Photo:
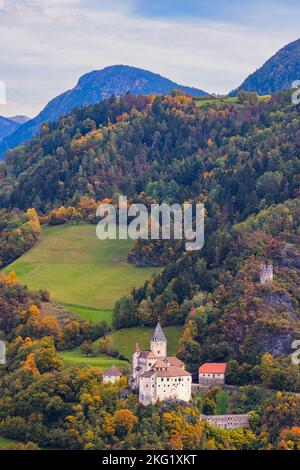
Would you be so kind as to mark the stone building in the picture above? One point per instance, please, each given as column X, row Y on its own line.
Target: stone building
column 2, row 353
column 157, row 376
column 112, row 375
column 266, row 273
column 211, row 374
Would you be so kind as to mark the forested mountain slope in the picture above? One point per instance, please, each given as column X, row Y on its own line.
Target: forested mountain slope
column 277, row 74
column 239, row 160
column 243, row 161
column 116, row 80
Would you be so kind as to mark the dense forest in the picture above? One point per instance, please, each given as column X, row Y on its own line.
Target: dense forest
column 44, row 405
column 237, row 159
column 19, row 231
column 242, row 161
column 93, row 87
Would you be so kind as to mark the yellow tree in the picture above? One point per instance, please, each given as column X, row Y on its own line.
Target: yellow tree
column 124, row 420
column 11, row 278
column 30, row 364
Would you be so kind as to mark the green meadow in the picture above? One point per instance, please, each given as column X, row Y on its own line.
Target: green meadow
column 6, row 443
column 90, row 313
column 80, row 271
column 221, row 101
column 75, row 358
column 218, row 101
column 86, row 276
column 125, row 340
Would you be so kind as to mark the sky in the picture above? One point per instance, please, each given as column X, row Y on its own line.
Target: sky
column 46, row 45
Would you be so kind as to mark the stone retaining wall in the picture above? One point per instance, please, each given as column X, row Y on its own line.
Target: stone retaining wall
column 228, row 421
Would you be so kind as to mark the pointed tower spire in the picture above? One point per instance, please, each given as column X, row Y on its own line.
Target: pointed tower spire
column 159, row 334
column 159, row 342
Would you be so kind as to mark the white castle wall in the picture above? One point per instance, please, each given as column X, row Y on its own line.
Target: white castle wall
column 179, row 388
column 159, row 349
column 153, row 389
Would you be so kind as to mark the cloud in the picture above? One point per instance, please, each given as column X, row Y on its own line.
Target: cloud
column 49, row 44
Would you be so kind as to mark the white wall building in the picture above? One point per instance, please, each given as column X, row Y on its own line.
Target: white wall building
column 212, row 374
column 112, row 375
column 158, row 376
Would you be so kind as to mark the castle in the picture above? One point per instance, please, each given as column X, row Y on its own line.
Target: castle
column 157, row 376
column 266, row 273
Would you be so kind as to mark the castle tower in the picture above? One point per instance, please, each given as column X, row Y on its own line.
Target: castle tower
column 136, row 354
column 134, row 379
column 266, row 273
column 2, row 353
column 159, row 342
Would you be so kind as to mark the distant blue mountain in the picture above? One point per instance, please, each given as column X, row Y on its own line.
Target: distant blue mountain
column 91, row 88
column 7, row 126
column 277, row 74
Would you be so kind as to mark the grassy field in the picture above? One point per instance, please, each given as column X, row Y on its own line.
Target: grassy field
column 90, row 313
column 5, row 443
column 124, row 340
column 75, row 358
column 215, row 101
column 86, row 276
column 221, row 101
column 83, row 273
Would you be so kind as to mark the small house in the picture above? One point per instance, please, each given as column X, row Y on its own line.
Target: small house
column 112, row 375
column 213, row 373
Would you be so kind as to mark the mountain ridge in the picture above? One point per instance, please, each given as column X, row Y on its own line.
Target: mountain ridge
column 276, row 74
column 91, row 88
column 7, row 126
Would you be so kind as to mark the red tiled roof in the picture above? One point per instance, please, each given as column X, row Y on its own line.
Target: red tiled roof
column 161, row 364
column 174, row 361
column 213, row 368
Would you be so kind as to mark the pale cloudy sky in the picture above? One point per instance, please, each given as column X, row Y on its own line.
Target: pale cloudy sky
column 46, row 45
